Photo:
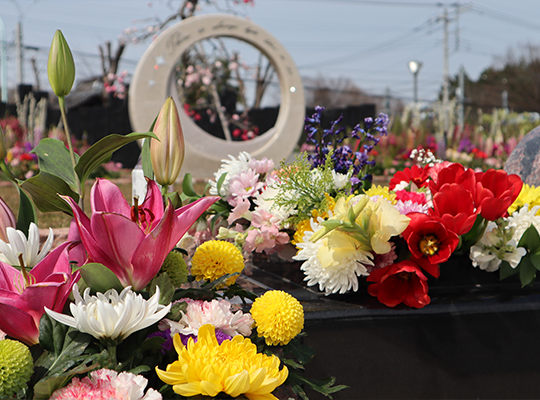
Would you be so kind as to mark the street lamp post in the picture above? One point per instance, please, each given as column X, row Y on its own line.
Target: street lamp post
column 414, row 67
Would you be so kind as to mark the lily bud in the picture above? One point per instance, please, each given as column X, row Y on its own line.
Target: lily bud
column 61, row 67
column 7, row 220
column 167, row 155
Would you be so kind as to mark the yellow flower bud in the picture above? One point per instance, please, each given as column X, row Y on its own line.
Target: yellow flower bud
column 167, row 154
column 61, row 67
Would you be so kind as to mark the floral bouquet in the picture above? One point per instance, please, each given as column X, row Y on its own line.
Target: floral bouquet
column 115, row 311
column 349, row 234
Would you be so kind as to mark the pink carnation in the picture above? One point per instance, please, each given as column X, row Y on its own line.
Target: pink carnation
column 105, row 384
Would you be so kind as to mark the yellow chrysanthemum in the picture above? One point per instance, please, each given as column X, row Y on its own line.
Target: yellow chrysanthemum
column 383, row 191
column 529, row 195
column 234, row 367
column 215, row 258
column 279, row 317
column 301, row 228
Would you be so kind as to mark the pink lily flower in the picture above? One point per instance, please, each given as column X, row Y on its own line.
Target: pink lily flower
column 133, row 241
column 23, row 295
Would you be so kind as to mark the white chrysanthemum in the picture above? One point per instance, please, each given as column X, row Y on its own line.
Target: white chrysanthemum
column 232, row 167
column 29, row 248
column 331, row 278
column 522, row 219
column 215, row 312
column 112, row 315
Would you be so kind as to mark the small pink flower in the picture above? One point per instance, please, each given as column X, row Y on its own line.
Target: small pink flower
column 244, row 185
column 240, row 211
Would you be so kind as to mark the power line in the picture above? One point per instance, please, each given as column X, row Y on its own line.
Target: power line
column 505, row 17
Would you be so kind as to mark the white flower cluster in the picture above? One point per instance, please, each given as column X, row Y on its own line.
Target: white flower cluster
column 500, row 242
column 424, row 157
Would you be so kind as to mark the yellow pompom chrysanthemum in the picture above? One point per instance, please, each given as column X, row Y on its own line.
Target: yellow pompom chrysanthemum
column 279, row 317
column 529, row 195
column 233, row 367
column 216, row 258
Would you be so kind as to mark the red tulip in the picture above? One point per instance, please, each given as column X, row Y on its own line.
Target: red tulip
column 429, row 241
column 453, row 205
column 495, row 192
column 415, row 174
column 453, row 173
column 402, row 282
column 23, row 295
column 133, row 241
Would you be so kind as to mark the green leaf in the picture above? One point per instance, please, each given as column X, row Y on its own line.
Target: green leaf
column 301, row 352
column 527, row 271
column 146, row 160
column 101, row 152
column 140, row 368
column 535, row 260
column 26, row 214
column 51, row 334
column 175, row 198
column 505, row 270
column 99, row 278
column 220, row 181
column 166, row 288
column 530, row 239
column 45, row 388
column 54, row 158
column 324, row 386
column 45, row 188
column 187, row 186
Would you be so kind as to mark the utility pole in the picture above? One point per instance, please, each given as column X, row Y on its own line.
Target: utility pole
column 445, row 76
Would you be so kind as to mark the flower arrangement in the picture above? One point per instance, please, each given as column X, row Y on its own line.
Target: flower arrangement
column 389, row 240
column 116, row 311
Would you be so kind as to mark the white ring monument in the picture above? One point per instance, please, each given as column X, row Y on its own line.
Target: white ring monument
column 154, row 81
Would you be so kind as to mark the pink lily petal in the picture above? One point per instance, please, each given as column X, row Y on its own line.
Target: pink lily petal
column 8, row 277
column 187, row 215
column 119, row 238
column 107, row 197
column 18, row 324
column 56, row 261
column 153, row 200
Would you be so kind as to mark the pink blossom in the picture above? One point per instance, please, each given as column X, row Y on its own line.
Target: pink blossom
column 260, row 240
column 240, row 211
column 244, row 185
column 105, row 384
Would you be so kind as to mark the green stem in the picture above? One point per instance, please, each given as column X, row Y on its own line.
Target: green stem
column 164, row 190
column 111, row 348
column 62, row 104
column 8, row 173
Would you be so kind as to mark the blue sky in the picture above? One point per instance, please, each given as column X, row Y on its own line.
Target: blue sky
column 368, row 41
